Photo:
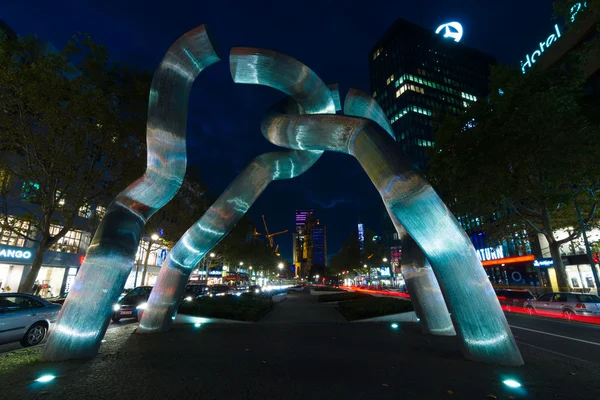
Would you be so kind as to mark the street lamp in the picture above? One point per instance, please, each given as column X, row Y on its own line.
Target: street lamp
column 153, row 238
column 384, row 259
column 207, row 265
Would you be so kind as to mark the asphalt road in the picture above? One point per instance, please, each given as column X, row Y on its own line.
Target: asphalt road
column 303, row 351
column 569, row 339
column 5, row 348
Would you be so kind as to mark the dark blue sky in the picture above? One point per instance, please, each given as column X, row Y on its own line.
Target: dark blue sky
column 332, row 37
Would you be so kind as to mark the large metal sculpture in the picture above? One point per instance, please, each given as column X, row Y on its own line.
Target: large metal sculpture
column 308, row 125
column 481, row 325
column 85, row 315
column 309, row 95
column 425, row 292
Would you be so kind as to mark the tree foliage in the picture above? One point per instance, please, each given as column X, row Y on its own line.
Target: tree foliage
column 72, row 127
column 520, row 157
column 351, row 258
column 240, row 245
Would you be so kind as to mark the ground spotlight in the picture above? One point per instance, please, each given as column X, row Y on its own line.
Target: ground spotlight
column 45, row 378
column 511, row 383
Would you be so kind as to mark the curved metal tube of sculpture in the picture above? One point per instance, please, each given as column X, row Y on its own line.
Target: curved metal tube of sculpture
column 481, row 325
column 424, row 289
column 425, row 292
column 268, row 68
column 85, row 315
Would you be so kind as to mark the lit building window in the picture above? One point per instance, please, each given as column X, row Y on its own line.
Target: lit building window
column 406, row 87
column 85, row 211
column 100, row 211
column 468, row 96
column 60, row 200
column 377, row 53
column 69, row 243
column 10, row 236
column 408, row 109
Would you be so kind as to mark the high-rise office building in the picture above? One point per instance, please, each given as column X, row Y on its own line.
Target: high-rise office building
column 318, row 234
column 310, row 245
column 301, row 243
column 416, row 74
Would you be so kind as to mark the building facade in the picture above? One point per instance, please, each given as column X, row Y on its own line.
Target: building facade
column 417, row 76
column 310, row 245
column 554, row 48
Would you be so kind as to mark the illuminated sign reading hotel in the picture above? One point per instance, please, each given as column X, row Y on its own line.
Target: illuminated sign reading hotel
column 530, row 59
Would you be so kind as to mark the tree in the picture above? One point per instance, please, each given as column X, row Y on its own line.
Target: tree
column 522, row 157
column 240, row 245
column 350, row 257
column 176, row 217
column 72, row 132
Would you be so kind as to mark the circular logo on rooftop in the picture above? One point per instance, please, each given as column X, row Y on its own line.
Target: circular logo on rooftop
column 452, row 30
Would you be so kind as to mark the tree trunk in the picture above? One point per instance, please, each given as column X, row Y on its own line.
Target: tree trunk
column 145, row 264
column 559, row 268
column 27, row 285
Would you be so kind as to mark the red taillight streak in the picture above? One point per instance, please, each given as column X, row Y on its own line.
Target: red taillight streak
column 513, row 309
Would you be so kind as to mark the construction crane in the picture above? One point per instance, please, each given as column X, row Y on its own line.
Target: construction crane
column 269, row 236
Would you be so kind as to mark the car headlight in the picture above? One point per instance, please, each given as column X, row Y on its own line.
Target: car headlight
column 238, row 294
column 116, row 307
column 256, row 291
column 141, row 306
column 189, row 298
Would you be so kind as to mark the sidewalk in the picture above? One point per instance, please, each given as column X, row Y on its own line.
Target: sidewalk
column 291, row 355
column 302, row 308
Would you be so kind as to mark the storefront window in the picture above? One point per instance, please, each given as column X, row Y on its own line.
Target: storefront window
column 49, row 282
column 10, row 236
column 69, row 243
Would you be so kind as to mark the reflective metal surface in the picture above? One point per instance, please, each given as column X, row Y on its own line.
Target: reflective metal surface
column 307, row 94
column 424, row 289
column 86, row 312
column 475, row 310
column 360, row 104
column 425, row 293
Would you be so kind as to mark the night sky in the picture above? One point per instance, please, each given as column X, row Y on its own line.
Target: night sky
column 332, row 37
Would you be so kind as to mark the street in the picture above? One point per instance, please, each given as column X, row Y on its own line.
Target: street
column 569, row 339
column 270, row 359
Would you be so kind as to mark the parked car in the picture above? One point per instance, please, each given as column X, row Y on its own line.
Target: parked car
column 569, row 304
column 297, row 288
column 510, row 298
column 254, row 289
column 25, row 318
column 58, row 300
column 132, row 304
column 194, row 291
column 219, row 290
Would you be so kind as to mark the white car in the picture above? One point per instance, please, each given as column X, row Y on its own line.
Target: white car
column 25, row 318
